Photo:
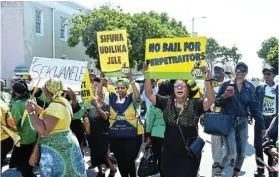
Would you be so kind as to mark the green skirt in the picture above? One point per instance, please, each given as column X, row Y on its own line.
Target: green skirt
column 61, row 156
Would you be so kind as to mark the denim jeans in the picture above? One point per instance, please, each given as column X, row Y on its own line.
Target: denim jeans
column 216, row 147
column 235, row 144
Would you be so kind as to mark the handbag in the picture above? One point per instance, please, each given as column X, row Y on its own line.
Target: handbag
column 196, row 147
column 148, row 166
column 217, row 124
column 35, row 156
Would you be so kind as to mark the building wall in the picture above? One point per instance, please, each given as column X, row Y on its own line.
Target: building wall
column 34, row 44
column 12, row 37
column 43, row 45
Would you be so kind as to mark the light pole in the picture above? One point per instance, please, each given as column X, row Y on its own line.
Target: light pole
column 193, row 24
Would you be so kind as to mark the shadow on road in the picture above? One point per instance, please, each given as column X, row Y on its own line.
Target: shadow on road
column 250, row 150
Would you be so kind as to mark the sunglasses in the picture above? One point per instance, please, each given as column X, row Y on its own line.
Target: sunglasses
column 241, row 70
column 179, row 86
column 267, row 74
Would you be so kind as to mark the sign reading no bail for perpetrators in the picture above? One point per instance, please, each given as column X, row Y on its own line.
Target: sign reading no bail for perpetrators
column 113, row 50
column 175, row 58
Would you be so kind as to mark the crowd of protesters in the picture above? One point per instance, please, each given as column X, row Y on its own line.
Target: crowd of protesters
column 58, row 122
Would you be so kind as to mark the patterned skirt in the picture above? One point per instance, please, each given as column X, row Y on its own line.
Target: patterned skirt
column 61, row 156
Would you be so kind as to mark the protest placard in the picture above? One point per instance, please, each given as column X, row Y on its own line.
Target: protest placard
column 175, row 58
column 113, row 51
column 69, row 71
column 86, row 90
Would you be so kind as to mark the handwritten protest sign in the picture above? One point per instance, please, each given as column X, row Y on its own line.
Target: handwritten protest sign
column 86, row 90
column 113, row 51
column 175, row 58
column 69, row 71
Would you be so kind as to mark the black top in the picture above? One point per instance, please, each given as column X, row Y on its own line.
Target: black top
column 189, row 116
column 98, row 125
column 188, row 120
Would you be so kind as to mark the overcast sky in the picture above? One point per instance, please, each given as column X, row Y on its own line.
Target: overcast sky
column 244, row 23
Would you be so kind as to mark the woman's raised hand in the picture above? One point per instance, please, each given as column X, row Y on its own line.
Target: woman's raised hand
column 144, row 67
column 30, row 106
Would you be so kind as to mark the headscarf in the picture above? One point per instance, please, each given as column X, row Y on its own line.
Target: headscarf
column 123, row 81
column 55, row 87
column 20, row 87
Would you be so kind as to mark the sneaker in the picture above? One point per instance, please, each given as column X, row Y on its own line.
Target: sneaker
column 217, row 174
column 215, row 165
column 259, row 173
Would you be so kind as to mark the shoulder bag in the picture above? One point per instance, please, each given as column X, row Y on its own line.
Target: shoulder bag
column 218, row 123
column 195, row 149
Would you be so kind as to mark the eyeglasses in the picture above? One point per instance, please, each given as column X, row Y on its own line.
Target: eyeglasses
column 267, row 74
column 179, row 85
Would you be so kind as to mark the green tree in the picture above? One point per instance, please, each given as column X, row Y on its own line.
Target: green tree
column 140, row 26
column 212, row 49
column 272, row 57
column 267, row 45
column 230, row 54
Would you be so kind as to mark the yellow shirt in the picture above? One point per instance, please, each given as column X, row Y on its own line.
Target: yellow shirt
column 4, row 134
column 5, row 131
column 61, row 112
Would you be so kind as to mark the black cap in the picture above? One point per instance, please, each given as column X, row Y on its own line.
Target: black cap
column 241, row 64
column 269, row 68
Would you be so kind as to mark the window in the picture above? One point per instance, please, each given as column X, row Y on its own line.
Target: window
column 63, row 29
column 39, row 22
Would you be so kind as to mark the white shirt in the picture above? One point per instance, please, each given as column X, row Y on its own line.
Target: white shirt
column 269, row 102
column 146, row 100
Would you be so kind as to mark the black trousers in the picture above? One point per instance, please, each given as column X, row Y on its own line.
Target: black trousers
column 6, row 147
column 259, row 149
column 126, row 151
column 157, row 145
column 20, row 159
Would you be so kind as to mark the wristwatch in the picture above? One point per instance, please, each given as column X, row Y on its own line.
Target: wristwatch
column 32, row 113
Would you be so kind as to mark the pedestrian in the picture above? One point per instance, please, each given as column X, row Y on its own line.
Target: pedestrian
column 236, row 97
column 60, row 154
column 20, row 155
column 125, row 131
column 216, row 141
column 155, row 126
column 98, row 137
column 267, row 94
column 9, row 135
column 180, row 110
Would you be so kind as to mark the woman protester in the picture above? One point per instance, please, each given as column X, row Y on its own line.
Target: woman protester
column 180, row 112
column 9, row 135
column 60, row 154
column 20, row 155
column 156, row 125
column 125, row 132
column 98, row 137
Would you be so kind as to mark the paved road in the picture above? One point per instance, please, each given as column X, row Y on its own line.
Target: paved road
column 248, row 169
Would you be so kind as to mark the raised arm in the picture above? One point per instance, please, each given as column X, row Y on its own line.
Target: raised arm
column 135, row 89
column 210, row 98
column 100, row 88
column 148, row 91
